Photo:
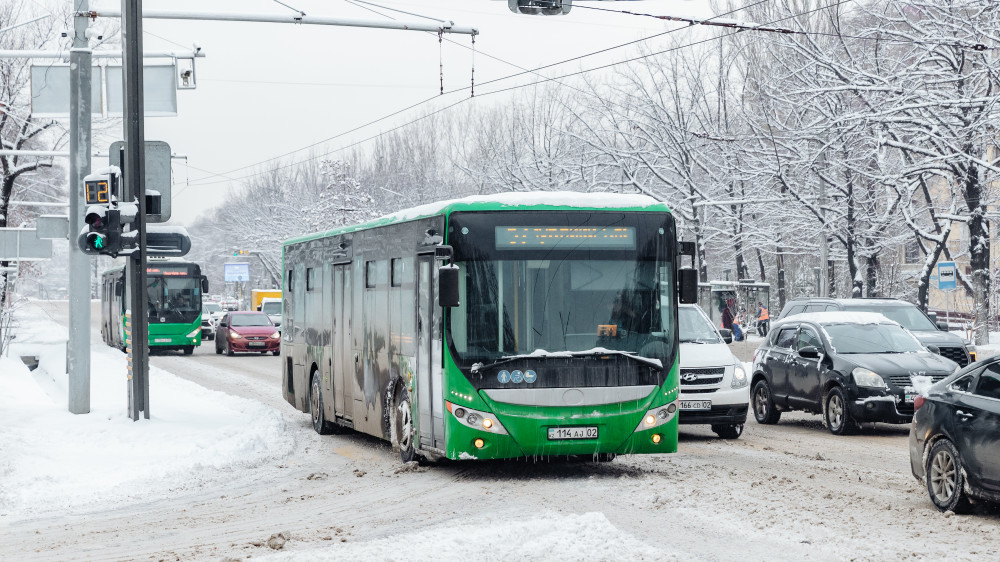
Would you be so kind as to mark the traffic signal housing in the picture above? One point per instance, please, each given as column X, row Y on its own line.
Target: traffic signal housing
column 540, row 7
column 102, row 235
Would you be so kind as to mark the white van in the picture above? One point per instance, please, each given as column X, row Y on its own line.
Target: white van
column 714, row 386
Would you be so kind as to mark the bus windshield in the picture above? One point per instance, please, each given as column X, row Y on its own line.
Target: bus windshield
column 173, row 299
column 575, row 284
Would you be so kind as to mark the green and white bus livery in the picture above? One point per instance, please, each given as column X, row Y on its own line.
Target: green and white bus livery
column 174, row 293
column 516, row 325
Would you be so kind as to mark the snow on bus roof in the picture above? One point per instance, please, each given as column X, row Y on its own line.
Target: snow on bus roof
column 838, row 317
column 506, row 200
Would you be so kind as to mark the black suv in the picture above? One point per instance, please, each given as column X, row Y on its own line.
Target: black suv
column 850, row 366
column 906, row 314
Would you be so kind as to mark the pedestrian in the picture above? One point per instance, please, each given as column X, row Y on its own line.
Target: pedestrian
column 762, row 319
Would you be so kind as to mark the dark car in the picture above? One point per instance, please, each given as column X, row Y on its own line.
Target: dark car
column 850, row 366
column 247, row 332
column 955, row 437
column 927, row 330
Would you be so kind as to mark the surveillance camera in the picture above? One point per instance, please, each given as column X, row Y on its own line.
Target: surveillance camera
column 65, row 34
column 100, row 38
column 197, row 47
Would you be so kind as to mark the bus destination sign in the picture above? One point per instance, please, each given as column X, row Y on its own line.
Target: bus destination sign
column 565, row 237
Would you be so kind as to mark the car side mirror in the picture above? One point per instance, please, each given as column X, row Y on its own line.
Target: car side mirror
column 727, row 335
column 934, row 349
column 809, row 352
column 223, row 324
column 687, row 285
column 943, row 326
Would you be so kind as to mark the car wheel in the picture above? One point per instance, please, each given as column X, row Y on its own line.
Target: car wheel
column 218, row 350
column 763, row 403
column 402, row 424
column 838, row 416
column 263, row 352
column 319, row 422
column 946, row 477
column 728, row 431
column 276, row 353
column 229, row 349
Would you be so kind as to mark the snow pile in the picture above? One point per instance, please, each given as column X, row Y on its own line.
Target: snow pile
column 52, row 460
column 547, row 537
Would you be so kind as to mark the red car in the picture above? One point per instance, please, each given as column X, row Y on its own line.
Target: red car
column 247, row 332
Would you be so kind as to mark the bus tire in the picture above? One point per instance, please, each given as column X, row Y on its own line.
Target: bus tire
column 605, row 457
column 188, row 349
column 320, row 425
column 402, row 424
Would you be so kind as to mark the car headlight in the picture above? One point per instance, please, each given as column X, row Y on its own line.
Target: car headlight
column 235, row 335
column 865, row 377
column 739, row 377
column 276, row 335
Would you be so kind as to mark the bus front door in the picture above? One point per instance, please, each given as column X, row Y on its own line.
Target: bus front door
column 342, row 362
column 430, row 422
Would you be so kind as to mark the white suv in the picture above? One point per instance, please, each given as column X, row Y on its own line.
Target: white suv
column 714, row 385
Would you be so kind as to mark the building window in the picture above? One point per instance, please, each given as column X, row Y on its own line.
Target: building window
column 310, row 279
column 288, row 280
column 369, row 275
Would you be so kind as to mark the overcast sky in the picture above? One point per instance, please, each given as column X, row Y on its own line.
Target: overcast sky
column 266, row 90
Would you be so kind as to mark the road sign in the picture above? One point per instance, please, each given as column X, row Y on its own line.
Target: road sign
column 23, row 244
column 946, row 276
column 157, row 176
column 236, row 272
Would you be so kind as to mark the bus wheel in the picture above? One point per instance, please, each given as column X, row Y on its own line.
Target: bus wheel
column 188, row 349
column 403, row 425
column 320, row 424
column 605, row 457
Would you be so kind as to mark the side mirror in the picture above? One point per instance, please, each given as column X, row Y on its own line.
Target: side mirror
column 727, row 335
column 933, row 349
column 943, row 326
column 448, row 295
column 809, row 352
column 687, row 285
column 204, row 284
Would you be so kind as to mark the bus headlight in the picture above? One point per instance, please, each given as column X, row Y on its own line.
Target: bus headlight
column 475, row 419
column 658, row 416
column 195, row 333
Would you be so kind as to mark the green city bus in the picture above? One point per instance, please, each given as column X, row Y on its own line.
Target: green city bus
column 507, row 326
column 174, row 291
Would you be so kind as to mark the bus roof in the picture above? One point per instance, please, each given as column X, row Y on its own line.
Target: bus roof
column 525, row 201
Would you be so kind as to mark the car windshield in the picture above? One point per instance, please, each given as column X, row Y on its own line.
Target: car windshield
column 210, row 307
column 250, row 320
column 271, row 308
column 694, row 327
column 908, row 317
column 871, row 338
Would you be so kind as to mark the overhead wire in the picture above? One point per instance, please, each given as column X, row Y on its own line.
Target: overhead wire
column 197, row 181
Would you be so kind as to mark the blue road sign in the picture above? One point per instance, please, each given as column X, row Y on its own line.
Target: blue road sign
column 946, row 275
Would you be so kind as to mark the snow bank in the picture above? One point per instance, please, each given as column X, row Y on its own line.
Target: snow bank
column 51, row 459
column 589, row 536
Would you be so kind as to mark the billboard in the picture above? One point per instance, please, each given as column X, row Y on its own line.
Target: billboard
column 237, row 272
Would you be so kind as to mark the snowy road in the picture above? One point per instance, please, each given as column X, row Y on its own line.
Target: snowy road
column 786, row 492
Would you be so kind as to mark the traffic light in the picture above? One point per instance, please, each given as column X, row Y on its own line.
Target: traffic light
column 102, row 235
column 540, row 7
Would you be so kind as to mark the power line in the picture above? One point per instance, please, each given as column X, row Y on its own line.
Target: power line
column 427, row 100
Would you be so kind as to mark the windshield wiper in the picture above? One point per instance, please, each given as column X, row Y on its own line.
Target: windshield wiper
column 596, row 352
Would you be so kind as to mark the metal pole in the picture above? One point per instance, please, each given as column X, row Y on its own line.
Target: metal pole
column 134, row 161
column 78, row 348
column 824, row 262
column 300, row 19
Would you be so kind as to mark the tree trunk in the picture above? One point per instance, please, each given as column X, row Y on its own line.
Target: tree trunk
column 871, row 276
column 979, row 254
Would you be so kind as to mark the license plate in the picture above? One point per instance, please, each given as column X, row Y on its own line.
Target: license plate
column 908, row 398
column 161, row 340
column 256, row 344
column 696, row 404
column 583, row 432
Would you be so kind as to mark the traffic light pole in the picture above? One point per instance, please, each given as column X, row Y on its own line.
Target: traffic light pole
column 134, row 176
column 78, row 346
